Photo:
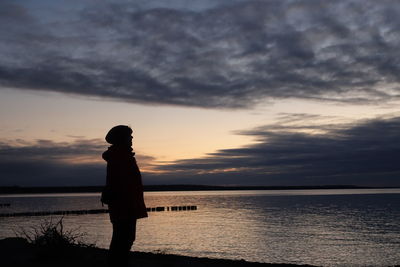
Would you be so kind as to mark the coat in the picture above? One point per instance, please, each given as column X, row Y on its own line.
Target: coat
column 124, row 182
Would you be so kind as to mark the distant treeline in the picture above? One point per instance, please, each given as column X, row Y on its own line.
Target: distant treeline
column 150, row 188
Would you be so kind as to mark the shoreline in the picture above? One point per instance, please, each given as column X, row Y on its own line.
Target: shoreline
column 17, row 252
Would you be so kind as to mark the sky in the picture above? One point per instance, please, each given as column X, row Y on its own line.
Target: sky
column 221, row 92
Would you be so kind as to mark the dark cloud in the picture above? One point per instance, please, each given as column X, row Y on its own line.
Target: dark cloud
column 50, row 173
column 48, row 163
column 361, row 153
column 49, row 150
column 365, row 153
column 230, row 54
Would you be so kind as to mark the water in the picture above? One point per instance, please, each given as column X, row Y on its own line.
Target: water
column 319, row 227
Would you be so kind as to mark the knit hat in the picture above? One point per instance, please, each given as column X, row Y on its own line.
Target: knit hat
column 118, row 134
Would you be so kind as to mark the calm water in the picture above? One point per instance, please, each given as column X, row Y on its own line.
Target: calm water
column 320, row 227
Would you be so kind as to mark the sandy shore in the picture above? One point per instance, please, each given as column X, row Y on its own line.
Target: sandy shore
column 18, row 252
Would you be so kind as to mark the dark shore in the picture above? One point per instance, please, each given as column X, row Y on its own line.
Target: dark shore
column 17, row 252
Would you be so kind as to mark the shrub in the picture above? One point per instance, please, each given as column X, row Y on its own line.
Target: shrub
column 53, row 234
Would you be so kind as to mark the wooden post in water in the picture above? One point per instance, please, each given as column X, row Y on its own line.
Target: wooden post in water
column 95, row 211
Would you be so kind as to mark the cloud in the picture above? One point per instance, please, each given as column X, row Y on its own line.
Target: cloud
column 49, row 163
column 45, row 162
column 286, row 153
column 226, row 54
column 363, row 153
column 50, row 151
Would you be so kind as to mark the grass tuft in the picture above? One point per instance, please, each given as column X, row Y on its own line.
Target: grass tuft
column 52, row 234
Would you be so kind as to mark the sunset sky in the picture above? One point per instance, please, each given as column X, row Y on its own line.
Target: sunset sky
column 219, row 92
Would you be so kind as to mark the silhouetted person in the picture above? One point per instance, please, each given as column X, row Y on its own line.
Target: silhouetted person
column 123, row 193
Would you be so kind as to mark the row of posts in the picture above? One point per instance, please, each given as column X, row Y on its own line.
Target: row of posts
column 96, row 211
column 173, row 208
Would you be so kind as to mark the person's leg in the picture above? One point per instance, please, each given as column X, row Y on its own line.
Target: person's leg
column 124, row 234
column 116, row 248
column 131, row 234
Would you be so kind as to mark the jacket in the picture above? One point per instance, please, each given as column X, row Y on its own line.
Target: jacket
column 124, row 182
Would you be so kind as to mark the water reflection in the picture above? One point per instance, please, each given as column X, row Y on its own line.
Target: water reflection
column 289, row 227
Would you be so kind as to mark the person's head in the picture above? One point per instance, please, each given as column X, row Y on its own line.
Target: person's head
column 120, row 135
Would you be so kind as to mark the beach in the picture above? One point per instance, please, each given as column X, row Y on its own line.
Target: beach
column 18, row 252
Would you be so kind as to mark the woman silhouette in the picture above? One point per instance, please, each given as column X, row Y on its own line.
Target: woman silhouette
column 123, row 193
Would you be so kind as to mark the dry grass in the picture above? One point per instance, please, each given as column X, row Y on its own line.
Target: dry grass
column 53, row 234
